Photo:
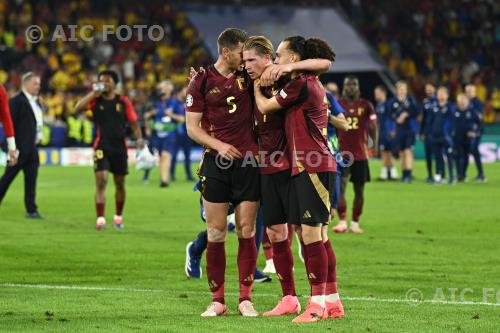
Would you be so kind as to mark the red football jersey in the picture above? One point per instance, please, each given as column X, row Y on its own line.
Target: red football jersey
column 359, row 115
column 5, row 117
column 227, row 107
column 306, row 122
column 272, row 139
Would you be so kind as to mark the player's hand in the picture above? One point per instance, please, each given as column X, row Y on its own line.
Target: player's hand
column 256, row 84
column 12, row 157
column 273, row 72
column 392, row 134
column 228, row 152
column 471, row 135
column 193, row 72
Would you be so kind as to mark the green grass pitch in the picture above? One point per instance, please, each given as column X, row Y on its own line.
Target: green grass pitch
column 61, row 275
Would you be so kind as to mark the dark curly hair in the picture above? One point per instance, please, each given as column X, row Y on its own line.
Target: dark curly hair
column 312, row 48
column 316, row 48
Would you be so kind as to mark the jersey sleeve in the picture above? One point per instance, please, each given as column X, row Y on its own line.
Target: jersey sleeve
column 91, row 105
column 294, row 92
column 195, row 99
column 130, row 113
column 335, row 107
column 372, row 115
column 5, row 113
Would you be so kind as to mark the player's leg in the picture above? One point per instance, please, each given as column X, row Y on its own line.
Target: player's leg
column 341, row 227
column 174, row 151
column 8, row 177
column 438, row 155
column 216, row 214
column 245, row 214
column 30, row 170
column 267, row 248
column 334, row 306
column 186, row 149
column 120, row 195
column 165, row 160
column 357, row 206
column 101, row 180
column 428, row 160
column 194, row 252
column 450, row 159
column 477, row 159
column 283, row 262
column 260, row 233
column 317, row 273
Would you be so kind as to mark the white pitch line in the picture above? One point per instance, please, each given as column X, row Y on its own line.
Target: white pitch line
column 348, row 298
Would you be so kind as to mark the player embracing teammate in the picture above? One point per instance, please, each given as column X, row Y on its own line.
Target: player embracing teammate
column 303, row 103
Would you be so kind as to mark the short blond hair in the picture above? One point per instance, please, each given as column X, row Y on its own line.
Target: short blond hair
column 261, row 44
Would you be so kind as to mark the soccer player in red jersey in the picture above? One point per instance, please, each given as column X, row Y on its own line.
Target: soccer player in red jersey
column 220, row 116
column 8, row 127
column 312, row 164
column 354, row 147
column 111, row 112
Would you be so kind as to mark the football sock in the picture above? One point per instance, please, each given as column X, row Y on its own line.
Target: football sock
column 247, row 261
column 267, row 247
column 99, row 208
column 283, row 262
column 216, row 270
column 199, row 244
column 317, row 268
column 357, row 209
column 119, row 207
column 331, row 279
column 342, row 209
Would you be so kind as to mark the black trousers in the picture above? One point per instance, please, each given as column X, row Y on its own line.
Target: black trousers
column 29, row 165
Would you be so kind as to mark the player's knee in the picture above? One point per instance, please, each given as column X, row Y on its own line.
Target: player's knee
column 246, row 229
column 277, row 233
column 216, row 234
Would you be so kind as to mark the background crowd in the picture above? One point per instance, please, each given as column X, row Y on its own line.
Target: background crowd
column 445, row 42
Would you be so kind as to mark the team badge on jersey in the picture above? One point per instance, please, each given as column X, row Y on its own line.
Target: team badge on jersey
column 189, row 100
column 283, row 94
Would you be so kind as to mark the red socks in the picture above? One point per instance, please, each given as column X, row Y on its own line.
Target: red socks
column 247, row 261
column 283, row 261
column 357, row 209
column 119, row 207
column 331, row 279
column 342, row 209
column 216, row 270
column 267, row 247
column 317, row 267
column 99, row 208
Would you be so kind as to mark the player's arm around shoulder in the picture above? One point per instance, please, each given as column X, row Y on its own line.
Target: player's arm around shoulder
column 264, row 104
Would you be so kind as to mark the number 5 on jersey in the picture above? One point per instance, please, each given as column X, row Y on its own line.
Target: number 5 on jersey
column 232, row 104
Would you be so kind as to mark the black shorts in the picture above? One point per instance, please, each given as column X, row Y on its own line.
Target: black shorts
column 225, row 181
column 112, row 161
column 309, row 201
column 359, row 172
column 275, row 190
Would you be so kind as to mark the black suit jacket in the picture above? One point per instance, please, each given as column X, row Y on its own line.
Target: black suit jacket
column 24, row 125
